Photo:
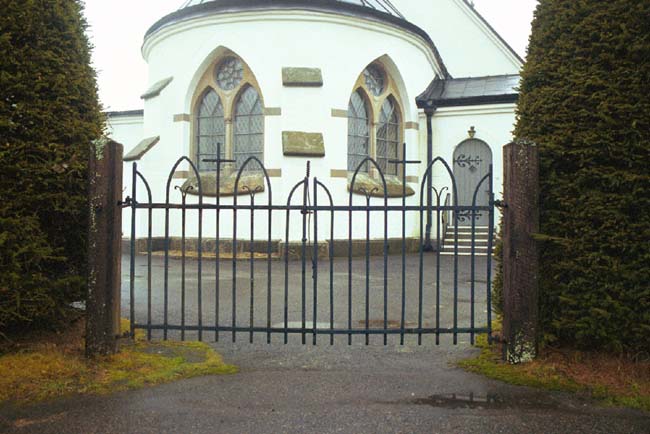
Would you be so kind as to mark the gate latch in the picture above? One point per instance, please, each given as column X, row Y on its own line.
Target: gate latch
column 500, row 204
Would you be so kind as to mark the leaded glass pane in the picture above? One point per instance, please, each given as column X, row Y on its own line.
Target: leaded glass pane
column 211, row 131
column 358, row 132
column 229, row 73
column 248, row 137
column 388, row 132
column 374, row 78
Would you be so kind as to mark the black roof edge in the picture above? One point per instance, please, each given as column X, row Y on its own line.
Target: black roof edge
column 428, row 101
column 477, row 100
column 341, row 8
column 493, row 30
column 124, row 113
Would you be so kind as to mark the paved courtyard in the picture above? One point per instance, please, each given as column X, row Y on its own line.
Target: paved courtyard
column 332, row 301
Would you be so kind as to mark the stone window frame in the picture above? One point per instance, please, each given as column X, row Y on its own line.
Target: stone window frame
column 229, row 100
column 374, row 105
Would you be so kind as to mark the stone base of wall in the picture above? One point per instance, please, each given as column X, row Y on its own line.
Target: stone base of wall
column 259, row 247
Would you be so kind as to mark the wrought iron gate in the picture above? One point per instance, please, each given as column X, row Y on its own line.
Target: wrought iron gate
column 310, row 288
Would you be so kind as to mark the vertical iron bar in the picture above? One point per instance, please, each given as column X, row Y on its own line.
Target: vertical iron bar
column 403, row 314
column 183, row 212
column 367, row 268
column 472, row 269
column 134, row 180
column 166, row 273
column 286, row 274
column 252, row 267
column 438, row 248
column 199, row 270
column 350, row 269
column 330, row 248
column 268, row 266
column 234, row 265
column 315, row 261
column 420, row 272
column 489, row 255
column 303, row 252
column 217, row 248
column 385, row 267
column 149, row 279
column 456, row 222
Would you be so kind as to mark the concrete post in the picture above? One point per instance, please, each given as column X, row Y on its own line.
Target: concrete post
column 104, row 249
column 520, row 254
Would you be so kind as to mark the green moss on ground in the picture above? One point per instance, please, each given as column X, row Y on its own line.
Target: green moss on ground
column 52, row 370
column 611, row 380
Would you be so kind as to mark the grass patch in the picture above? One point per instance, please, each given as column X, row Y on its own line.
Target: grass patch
column 613, row 380
column 54, row 365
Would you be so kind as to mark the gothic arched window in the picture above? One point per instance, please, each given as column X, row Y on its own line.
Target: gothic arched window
column 229, row 112
column 358, row 131
column 211, row 129
column 375, row 121
column 248, row 136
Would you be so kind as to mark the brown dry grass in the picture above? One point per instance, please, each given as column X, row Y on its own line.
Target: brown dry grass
column 616, row 380
column 619, row 374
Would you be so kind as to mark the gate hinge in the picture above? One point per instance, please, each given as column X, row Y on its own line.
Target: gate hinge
column 126, row 202
column 500, row 204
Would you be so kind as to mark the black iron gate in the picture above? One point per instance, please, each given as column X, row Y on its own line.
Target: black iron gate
column 312, row 287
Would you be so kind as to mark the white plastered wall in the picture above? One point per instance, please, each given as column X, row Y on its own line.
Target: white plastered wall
column 286, row 39
column 126, row 130
column 467, row 45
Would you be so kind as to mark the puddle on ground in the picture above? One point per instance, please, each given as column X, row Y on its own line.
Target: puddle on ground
column 491, row 401
column 453, row 401
column 390, row 324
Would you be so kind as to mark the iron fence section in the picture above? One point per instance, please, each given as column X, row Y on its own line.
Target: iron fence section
column 315, row 206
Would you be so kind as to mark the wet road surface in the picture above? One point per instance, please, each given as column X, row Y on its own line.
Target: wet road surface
column 340, row 389
column 327, row 389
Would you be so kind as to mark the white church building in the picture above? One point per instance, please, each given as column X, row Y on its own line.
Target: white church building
column 326, row 81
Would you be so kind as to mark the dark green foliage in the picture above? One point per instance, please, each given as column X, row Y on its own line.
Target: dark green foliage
column 49, row 116
column 584, row 101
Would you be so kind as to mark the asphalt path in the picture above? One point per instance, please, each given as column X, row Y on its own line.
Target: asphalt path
column 325, row 388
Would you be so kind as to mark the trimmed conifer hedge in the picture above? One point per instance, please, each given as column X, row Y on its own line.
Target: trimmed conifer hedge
column 584, row 101
column 49, row 116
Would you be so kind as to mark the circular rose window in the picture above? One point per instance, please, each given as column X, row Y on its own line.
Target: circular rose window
column 230, row 73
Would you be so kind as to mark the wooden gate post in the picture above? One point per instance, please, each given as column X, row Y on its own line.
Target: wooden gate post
column 520, row 254
column 104, row 249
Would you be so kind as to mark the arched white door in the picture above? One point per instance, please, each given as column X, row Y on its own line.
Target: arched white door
column 472, row 160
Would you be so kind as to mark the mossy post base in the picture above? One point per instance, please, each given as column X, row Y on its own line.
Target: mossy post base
column 520, row 254
column 104, row 245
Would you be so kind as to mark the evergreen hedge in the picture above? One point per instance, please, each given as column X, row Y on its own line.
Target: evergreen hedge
column 49, row 116
column 584, row 101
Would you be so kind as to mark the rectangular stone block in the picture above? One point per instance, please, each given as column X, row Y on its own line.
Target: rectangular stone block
column 302, row 77
column 301, row 144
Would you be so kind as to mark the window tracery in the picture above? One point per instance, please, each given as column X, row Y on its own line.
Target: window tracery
column 229, row 112
column 375, row 127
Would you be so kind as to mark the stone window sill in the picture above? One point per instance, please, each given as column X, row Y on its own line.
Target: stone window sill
column 249, row 181
column 372, row 186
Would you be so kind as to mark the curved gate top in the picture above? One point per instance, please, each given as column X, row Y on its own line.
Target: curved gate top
column 472, row 160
